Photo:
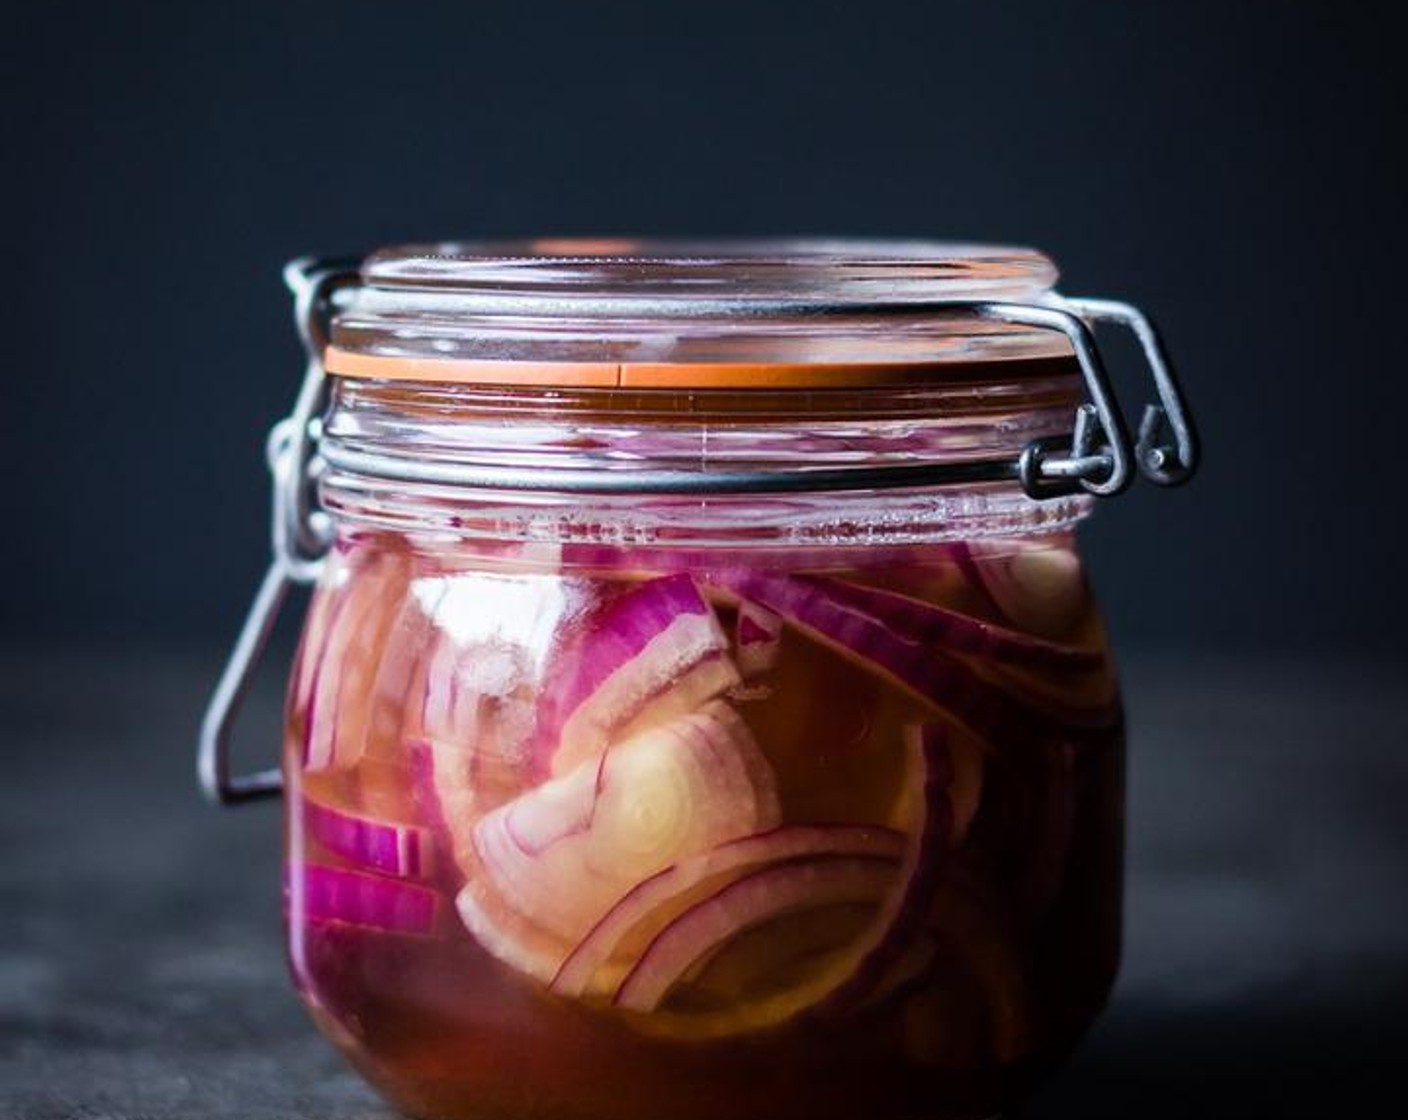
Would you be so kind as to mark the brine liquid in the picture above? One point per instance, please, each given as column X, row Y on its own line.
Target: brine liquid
column 932, row 916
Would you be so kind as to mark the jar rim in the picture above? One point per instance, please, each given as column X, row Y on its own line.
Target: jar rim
column 674, row 275
column 672, row 314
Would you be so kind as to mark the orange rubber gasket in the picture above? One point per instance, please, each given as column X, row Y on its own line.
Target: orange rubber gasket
column 682, row 375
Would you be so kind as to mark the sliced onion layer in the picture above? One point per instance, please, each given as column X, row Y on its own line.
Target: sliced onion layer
column 322, row 611
column 476, row 723
column 959, row 633
column 1038, row 586
column 745, row 903
column 757, row 639
column 898, row 886
column 320, row 712
column 340, row 706
column 659, row 641
column 402, row 850
column 650, row 904
column 929, row 674
column 319, row 893
column 559, row 856
column 400, row 676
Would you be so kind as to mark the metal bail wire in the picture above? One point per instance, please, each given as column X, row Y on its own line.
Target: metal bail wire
column 299, row 533
column 1160, row 462
column 1098, row 458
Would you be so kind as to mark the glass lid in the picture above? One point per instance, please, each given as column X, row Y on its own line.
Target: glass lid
column 768, row 272
column 805, row 313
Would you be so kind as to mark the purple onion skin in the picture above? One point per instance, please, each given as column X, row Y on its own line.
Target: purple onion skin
column 315, row 683
column 961, row 633
column 620, row 642
column 314, row 892
column 391, row 849
column 626, row 628
column 782, row 843
column 927, row 854
column 936, row 677
column 747, row 900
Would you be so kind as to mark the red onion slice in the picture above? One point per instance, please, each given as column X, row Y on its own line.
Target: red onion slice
column 508, row 936
column 902, row 891
column 340, row 708
column 757, row 639
column 317, row 893
column 402, row 850
column 1038, row 586
column 959, row 633
column 308, row 661
column 658, row 641
column 652, row 898
column 471, row 734
column 559, row 856
column 744, row 904
column 320, row 710
column 936, row 679
column 410, row 641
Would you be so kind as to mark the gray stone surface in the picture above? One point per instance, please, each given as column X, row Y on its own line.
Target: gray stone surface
column 1266, row 973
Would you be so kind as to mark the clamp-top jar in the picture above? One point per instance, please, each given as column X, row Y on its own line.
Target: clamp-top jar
column 702, row 710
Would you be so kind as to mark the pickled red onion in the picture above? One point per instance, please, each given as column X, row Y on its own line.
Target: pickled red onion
column 658, row 641
column 649, row 898
column 959, row 633
column 339, row 709
column 901, row 888
column 758, row 638
column 1038, row 587
column 320, row 893
column 562, row 854
column 745, row 903
column 402, row 850
column 933, row 677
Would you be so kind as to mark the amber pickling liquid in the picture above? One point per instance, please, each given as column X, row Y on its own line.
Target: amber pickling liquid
column 855, row 858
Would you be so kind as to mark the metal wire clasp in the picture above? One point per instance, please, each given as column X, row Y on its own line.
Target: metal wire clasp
column 1161, row 462
column 299, row 533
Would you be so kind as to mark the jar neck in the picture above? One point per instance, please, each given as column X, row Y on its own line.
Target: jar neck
column 537, row 435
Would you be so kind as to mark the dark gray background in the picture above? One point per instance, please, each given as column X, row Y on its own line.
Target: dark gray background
column 1226, row 165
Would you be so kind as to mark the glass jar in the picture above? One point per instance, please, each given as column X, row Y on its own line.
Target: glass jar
column 701, row 710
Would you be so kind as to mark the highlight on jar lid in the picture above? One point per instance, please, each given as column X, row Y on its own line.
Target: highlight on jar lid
column 763, row 314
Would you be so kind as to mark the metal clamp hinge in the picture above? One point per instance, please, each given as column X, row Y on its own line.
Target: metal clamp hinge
column 300, row 534
column 1167, row 445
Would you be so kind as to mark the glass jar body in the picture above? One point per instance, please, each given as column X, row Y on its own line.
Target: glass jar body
column 603, row 830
